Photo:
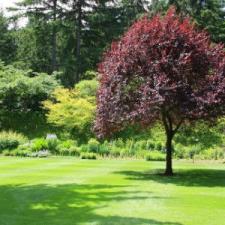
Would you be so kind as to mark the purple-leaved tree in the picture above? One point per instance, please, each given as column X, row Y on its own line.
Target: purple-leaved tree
column 162, row 69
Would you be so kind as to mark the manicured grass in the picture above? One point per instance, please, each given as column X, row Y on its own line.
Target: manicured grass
column 66, row 191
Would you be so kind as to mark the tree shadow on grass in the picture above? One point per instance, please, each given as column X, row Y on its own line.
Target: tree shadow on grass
column 184, row 177
column 68, row 204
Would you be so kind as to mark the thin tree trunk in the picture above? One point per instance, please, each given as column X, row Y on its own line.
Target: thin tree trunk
column 169, row 152
column 78, row 37
column 54, row 33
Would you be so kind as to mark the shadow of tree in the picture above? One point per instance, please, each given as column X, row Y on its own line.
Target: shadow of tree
column 184, row 177
column 69, row 204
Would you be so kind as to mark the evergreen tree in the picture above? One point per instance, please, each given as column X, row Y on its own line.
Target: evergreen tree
column 207, row 14
column 7, row 41
column 45, row 12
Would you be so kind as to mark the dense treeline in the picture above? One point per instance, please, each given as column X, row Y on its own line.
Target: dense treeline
column 70, row 36
column 47, row 67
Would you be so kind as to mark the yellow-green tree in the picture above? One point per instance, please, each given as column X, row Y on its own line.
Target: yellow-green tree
column 74, row 110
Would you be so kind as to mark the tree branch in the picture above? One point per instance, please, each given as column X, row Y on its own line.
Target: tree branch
column 165, row 121
column 178, row 126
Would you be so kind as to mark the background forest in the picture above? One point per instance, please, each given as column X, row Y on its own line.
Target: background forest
column 48, row 79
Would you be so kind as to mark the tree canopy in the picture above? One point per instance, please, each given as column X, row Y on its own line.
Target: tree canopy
column 164, row 69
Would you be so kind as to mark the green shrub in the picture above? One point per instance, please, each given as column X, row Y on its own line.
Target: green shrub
column 52, row 144
column 64, row 151
column 74, row 151
column 141, row 154
column 6, row 153
column 91, row 156
column 129, row 144
column 93, row 145
column 212, row 154
column 115, row 152
column 219, row 153
column 180, row 151
column 20, row 153
column 124, row 152
column 150, row 145
column 158, row 146
column 119, row 143
column 11, row 140
column 155, row 156
column 140, row 145
column 73, row 110
column 66, row 144
column 39, row 144
column 84, row 148
column 194, row 150
column 104, row 149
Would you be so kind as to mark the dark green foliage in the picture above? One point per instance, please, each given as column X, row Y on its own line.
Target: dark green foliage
column 32, row 124
column 207, row 14
column 201, row 134
column 91, row 156
column 72, row 151
column 93, row 145
column 23, row 91
column 53, row 144
column 70, row 36
column 34, row 49
column 11, row 140
column 7, row 41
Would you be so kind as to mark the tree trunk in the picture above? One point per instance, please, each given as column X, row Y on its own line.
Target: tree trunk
column 78, row 44
column 54, row 33
column 170, row 129
column 169, row 168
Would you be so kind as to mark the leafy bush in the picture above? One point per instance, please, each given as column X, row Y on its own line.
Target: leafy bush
column 118, row 143
column 91, row 156
column 104, row 149
column 11, row 140
column 68, row 148
column 141, row 154
column 84, row 148
column 24, row 90
column 124, row 152
column 64, row 146
column 155, row 156
column 158, row 146
column 180, row 151
column 39, row 145
column 6, row 153
column 93, row 145
column 64, row 151
column 17, row 152
column 150, row 145
column 74, row 151
column 141, row 145
column 52, row 144
column 212, row 154
column 74, row 110
column 115, row 152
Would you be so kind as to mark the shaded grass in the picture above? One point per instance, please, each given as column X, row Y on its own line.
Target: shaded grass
column 183, row 177
column 65, row 204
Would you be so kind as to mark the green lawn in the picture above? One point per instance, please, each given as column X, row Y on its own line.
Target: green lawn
column 66, row 191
